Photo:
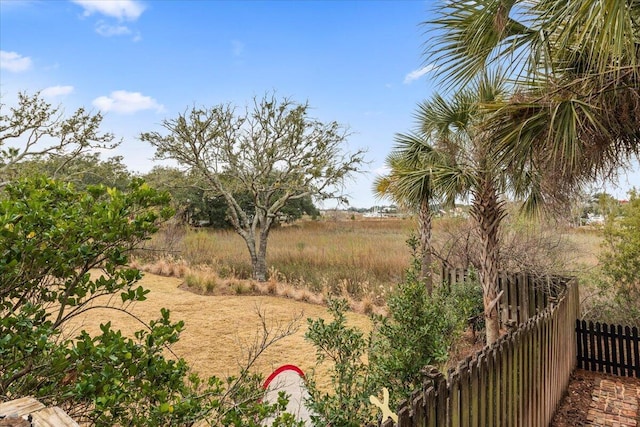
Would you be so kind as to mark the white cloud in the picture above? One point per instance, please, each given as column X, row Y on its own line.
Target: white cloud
column 129, row 10
column 237, row 47
column 122, row 101
column 107, row 30
column 382, row 170
column 416, row 74
column 53, row 91
column 14, row 62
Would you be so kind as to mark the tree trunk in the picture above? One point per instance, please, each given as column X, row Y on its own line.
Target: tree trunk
column 488, row 212
column 250, row 241
column 260, row 267
column 424, row 224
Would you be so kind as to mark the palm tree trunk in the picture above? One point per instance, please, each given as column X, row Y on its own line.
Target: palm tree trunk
column 488, row 212
column 424, row 219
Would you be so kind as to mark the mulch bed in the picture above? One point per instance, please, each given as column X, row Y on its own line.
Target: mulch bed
column 574, row 408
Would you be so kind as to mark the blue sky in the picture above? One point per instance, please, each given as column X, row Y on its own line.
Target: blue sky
column 357, row 62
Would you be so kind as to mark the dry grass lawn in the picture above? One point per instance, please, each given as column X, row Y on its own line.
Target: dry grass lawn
column 219, row 328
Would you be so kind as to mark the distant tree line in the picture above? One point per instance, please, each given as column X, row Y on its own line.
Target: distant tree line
column 193, row 205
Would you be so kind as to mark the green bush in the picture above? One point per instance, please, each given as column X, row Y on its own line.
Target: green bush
column 418, row 331
column 464, row 299
column 346, row 348
column 53, row 240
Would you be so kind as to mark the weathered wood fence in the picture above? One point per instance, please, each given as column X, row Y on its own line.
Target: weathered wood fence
column 521, row 378
column 524, row 295
column 613, row 349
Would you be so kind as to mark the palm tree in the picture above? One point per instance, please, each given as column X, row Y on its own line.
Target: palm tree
column 575, row 67
column 412, row 189
column 459, row 132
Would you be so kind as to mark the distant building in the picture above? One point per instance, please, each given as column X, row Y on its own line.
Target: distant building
column 375, row 214
column 593, row 219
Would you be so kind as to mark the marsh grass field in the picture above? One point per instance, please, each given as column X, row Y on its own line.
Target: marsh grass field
column 359, row 257
column 202, row 276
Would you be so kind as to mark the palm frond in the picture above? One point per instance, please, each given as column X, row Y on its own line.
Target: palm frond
column 469, row 36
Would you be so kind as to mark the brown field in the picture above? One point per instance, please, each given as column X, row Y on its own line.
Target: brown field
column 328, row 255
column 219, row 328
column 585, row 242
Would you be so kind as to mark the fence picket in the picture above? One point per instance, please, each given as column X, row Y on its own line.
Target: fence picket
column 389, row 423
column 586, row 340
column 504, row 382
column 548, row 373
column 474, row 394
column 520, row 375
column 454, row 399
column 404, row 416
column 615, row 363
column 554, row 368
column 482, row 390
column 636, row 351
column 605, row 342
column 536, row 376
column 499, row 388
column 592, row 346
column 627, row 332
column 513, row 300
column 491, row 390
column 420, row 418
column 465, row 394
column 599, row 346
column 442, row 391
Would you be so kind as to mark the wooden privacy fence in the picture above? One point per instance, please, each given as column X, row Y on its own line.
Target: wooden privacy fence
column 523, row 295
column 517, row 381
column 608, row 348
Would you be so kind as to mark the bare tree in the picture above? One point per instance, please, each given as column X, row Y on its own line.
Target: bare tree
column 34, row 128
column 273, row 150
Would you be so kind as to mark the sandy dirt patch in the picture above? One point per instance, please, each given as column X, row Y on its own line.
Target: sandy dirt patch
column 218, row 328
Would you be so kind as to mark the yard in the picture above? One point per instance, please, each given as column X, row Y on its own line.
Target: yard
column 219, row 329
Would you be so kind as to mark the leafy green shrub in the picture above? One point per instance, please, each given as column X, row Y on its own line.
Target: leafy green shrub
column 53, row 241
column 417, row 332
column 464, row 299
column 346, row 348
